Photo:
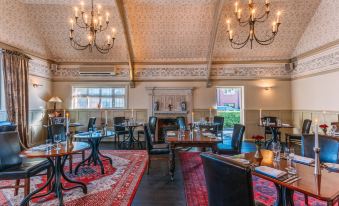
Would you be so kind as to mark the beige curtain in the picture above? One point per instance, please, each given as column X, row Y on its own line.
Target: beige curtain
column 15, row 70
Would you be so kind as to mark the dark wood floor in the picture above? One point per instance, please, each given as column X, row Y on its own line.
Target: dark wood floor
column 156, row 189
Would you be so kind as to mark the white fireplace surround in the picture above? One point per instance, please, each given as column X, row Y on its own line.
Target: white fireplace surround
column 173, row 96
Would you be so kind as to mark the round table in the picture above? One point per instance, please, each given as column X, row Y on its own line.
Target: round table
column 130, row 126
column 94, row 140
column 275, row 132
column 57, row 159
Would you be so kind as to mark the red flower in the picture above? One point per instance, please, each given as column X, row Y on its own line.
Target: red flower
column 323, row 126
column 258, row 137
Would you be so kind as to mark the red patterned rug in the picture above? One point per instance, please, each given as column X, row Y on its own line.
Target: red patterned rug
column 196, row 192
column 116, row 187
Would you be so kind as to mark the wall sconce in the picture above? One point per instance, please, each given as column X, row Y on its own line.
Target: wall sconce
column 35, row 85
column 268, row 88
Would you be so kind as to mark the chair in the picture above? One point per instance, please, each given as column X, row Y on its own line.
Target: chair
column 329, row 148
column 59, row 129
column 14, row 167
column 228, row 182
column 270, row 120
column 220, row 128
column 181, row 123
column 6, row 126
column 237, row 137
column 91, row 123
column 152, row 122
column 153, row 149
column 296, row 138
column 56, row 120
column 119, row 130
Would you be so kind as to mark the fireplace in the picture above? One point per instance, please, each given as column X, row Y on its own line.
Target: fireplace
column 164, row 125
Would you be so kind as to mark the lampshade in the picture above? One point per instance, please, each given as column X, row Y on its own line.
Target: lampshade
column 55, row 99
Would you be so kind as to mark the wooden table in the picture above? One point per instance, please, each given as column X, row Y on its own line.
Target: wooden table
column 275, row 131
column 323, row 187
column 131, row 140
column 57, row 159
column 94, row 140
column 189, row 140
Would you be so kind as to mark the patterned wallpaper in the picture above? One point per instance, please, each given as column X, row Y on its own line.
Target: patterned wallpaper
column 322, row 29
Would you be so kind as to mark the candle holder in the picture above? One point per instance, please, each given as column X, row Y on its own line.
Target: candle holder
column 317, row 169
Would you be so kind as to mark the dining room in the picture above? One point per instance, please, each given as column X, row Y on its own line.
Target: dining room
column 161, row 102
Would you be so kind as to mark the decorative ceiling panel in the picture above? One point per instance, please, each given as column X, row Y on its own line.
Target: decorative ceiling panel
column 296, row 15
column 53, row 23
column 164, row 30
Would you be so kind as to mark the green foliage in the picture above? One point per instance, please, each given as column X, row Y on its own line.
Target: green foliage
column 231, row 118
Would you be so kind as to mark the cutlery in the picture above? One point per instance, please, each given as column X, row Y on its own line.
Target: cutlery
column 293, row 180
column 290, row 178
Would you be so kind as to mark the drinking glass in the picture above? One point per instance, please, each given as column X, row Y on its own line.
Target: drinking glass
column 57, row 140
column 90, row 130
column 49, row 144
column 276, row 151
column 291, row 168
column 286, row 152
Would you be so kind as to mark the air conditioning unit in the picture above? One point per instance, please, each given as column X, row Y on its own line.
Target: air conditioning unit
column 97, row 71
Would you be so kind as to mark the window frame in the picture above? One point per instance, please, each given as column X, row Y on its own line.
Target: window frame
column 113, row 96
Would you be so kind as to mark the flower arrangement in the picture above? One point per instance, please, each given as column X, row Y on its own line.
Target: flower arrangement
column 258, row 141
column 324, row 128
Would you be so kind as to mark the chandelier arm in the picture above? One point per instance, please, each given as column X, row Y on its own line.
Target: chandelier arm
column 234, row 46
column 267, row 41
column 262, row 17
column 79, row 45
column 241, row 43
column 81, row 26
column 244, row 23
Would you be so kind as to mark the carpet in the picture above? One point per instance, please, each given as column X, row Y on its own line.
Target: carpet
column 116, row 187
column 196, row 191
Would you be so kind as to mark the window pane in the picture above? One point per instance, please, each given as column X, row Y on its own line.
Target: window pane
column 119, row 102
column 94, row 91
column 81, row 102
column 106, row 102
column 106, row 91
column 80, row 91
column 119, row 91
column 93, row 102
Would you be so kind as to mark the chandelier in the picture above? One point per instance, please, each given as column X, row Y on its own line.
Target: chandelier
column 91, row 25
column 251, row 21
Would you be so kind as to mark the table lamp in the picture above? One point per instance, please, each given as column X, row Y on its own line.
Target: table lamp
column 55, row 100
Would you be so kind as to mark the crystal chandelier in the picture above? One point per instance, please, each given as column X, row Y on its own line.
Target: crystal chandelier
column 91, row 25
column 251, row 22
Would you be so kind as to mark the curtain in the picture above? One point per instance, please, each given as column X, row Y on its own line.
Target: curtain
column 15, row 70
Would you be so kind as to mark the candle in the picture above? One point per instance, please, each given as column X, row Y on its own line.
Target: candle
column 316, row 135
column 105, row 117
column 228, row 25
column 113, row 32
column 274, row 29
column 249, row 1
column 72, row 23
column 107, row 15
column 210, row 112
column 132, row 113
column 267, row 1
column 239, row 14
column 99, row 8
column 100, row 21
column 231, row 35
column 236, row 7
column 85, row 18
column 260, row 111
column 253, row 14
column 278, row 17
column 76, row 12
column 67, row 123
column 64, row 113
column 192, row 117
column 82, row 6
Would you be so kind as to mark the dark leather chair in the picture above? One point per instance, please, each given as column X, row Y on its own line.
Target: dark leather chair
column 237, row 137
column 270, row 120
column 118, row 129
column 329, row 148
column 14, row 167
column 6, row 126
column 296, row 138
column 153, row 149
column 220, row 128
column 56, row 120
column 181, row 123
column 91, row 123
column 228, row 182
column 152, row 122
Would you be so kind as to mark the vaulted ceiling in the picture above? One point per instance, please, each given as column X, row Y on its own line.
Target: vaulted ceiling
column 170, row 30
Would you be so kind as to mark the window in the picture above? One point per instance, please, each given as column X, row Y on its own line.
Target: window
column 229, row 91
column 96, row 97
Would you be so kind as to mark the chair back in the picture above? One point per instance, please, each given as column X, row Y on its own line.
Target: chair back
column 306, row 126
column 56, row 120
column 237, row 137
column 181, row 122
column 228, row 182
column 220, row 121
column 9, row 150
column 152, row 121
column 56, row 129
column 148, row 138
column 268, row 120
column 6, row 126
column 91, row 123
column 329, row 148
column 118, row 121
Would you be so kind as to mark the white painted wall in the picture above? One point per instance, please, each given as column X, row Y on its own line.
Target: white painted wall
column 39, row 96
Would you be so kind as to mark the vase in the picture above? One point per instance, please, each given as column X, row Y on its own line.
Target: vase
column 258, row 154
column 325, row 131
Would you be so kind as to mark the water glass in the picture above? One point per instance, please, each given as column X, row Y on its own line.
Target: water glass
column 276, row 151
column 90, row 130
column 286, row 152
column 57, row 140
column 49, row 144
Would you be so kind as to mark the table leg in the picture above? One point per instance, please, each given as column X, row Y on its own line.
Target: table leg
column 88, row 159
column 275, row 132
column 172, row 162
column 96, row 157
column 79, row 184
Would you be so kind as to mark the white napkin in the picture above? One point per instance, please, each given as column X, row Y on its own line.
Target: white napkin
column 171, row 134
column 270, row 171
column 285, row 125
column 332, row 166
column 302, row 159
column 207, row 134
column 39, row 148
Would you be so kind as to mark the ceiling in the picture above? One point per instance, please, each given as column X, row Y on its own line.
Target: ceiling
column 170, row 30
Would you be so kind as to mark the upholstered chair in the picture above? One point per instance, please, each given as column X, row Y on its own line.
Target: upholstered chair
column 6, row 126
column 153, row 149
column 296, row 138
column 152, row 122
column 119, row 129
column 181, row 123
column 218, row 130
column 236, row 143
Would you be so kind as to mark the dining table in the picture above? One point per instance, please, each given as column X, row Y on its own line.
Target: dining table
column 189, row 139
column 130, row 140
column 94, row 139
column 323, row 187
column 56, row 155
column 275, row 128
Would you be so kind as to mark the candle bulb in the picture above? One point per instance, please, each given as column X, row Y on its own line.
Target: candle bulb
column 107, row 15
column 76, row 12
column 85, row 18
column 72, row 22
column 274, row 29
column 253, row 14
column 82, row 6
column 108, row 39
column 316, row 135
column 192, row 118
column 250, row 2
column 100, row 20
column 267, row 2
column 231, row 35
column 239, row 14
column 228, row 25
column 98, row 9
column 113, row 32
column 64, row 113
column 278, row 17
column 236, row 7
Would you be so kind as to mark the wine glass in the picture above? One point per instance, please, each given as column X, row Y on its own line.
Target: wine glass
column 57, row 140
column 276, row 151
column 49, row 143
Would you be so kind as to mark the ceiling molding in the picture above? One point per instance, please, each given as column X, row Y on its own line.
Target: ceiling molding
column 216, row 18
column 123, row 18
column 93, row 63
column 316, row 50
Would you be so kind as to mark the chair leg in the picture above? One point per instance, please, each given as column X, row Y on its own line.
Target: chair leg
column 17, row 184
column 49, row 172
column 83, row 155
column 148, row 164
column 70, row 164
column 27, row 186
column 306, row 199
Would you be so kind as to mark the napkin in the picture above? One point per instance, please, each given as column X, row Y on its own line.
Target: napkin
column 332, row 166
column 269, row 171
column 171, row 134
column 207, row 134
column 285, row 125
column 39, row 148
column 304, row 160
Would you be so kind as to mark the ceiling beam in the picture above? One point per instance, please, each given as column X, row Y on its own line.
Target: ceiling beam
column 123, row 17
column 216, row 18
